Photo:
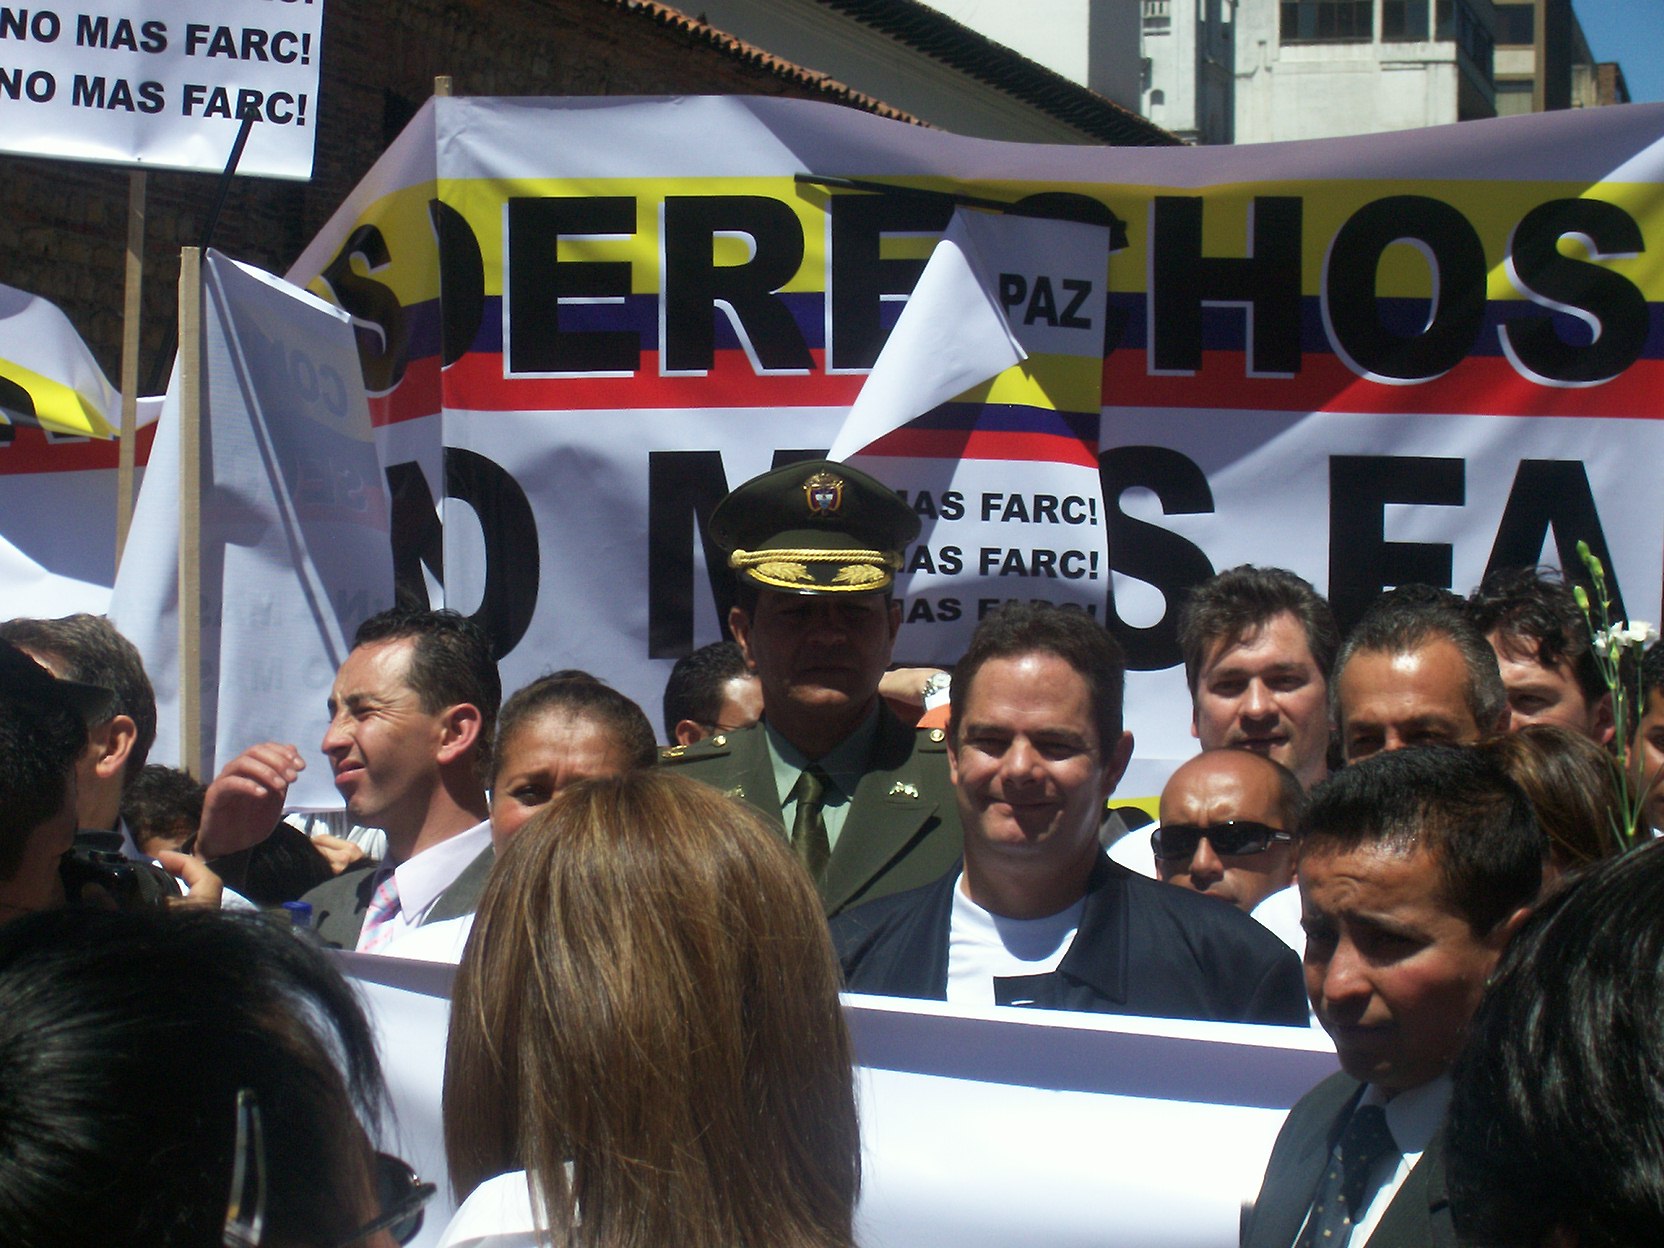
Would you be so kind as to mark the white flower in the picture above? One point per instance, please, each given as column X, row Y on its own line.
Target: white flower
column 1621, row 636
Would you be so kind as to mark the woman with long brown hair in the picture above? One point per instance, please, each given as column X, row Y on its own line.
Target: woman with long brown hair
column 646, row 1044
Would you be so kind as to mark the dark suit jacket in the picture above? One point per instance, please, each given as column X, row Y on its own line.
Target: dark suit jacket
column 1419, row 1215
column 338, row 905
column 902, row 826
column 1142, row 948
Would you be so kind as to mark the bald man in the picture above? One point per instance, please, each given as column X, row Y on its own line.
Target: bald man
column 1228, row 818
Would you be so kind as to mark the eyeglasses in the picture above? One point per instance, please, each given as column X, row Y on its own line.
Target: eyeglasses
column 401, row 1196
column 1175, row 841
column 400, row 1192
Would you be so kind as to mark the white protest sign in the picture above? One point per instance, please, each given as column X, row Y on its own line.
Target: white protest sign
column 163, row 82
column 980, row 1128
column 294, row 523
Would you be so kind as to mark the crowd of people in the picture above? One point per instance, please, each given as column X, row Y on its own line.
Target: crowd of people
column 1405, row 833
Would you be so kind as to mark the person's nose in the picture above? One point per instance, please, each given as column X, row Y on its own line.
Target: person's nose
column 1346, row 989
column 336, row 740
column 1205, row 867
column 1257, row 702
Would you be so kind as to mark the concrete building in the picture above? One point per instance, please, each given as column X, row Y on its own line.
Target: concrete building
column 1309, row 69
column 1543, row 61
column 1190, row 60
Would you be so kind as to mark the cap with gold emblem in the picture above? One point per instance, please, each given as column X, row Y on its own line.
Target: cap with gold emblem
column 815, row 527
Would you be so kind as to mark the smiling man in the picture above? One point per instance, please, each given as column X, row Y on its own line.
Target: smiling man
column 410, row 722
column 1038, row 916
column 864, row 800
column 1415, row 868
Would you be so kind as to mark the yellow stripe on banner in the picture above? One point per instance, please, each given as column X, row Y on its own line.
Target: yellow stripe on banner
column 1064, row 383
column 1493, row 208
column 399, row 227
column 57, row 406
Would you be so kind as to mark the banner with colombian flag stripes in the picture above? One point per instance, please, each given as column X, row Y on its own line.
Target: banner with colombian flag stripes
column 1395, row 357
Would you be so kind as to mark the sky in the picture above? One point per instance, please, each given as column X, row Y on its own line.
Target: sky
column 1630, row 32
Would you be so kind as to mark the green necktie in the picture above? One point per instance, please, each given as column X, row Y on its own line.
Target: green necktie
column 809, row 824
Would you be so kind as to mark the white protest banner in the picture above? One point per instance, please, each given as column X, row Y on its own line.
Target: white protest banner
column 1395, row 357
column 163, row 82
column 57, row 468
column 294, row 523
column 980, row 1128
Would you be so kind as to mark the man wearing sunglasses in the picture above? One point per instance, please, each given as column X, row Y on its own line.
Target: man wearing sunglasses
column 1228, row 819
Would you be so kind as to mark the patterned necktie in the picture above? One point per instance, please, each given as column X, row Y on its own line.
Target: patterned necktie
column 1364, row 1142
column 384, row 904
column 809, row 824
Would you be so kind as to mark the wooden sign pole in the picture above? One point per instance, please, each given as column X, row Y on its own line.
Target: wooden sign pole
column 130, row 318
column 190, row 511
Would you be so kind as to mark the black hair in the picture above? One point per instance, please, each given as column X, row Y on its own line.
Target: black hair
column 697, row 684
column 1534, row 611
column 87, row 648
column 1402, row 621
column 578, row 695
column 1557, row 1119
column 1240, row 601
column 160, row 799
column 1448, row 801
column 39, row 744
column 98, row 1144
column 283, row 867
column 450, row 662
column 1652, row 674
column 1020, row 628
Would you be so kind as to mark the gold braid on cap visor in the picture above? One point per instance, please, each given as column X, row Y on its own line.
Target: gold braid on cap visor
column 864, row 570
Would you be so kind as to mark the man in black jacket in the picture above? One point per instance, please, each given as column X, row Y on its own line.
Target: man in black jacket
column 1038, row 915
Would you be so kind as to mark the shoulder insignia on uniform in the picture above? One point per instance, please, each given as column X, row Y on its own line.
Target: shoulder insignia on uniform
column 903, row 789
column 737, row 791
column 673, row 751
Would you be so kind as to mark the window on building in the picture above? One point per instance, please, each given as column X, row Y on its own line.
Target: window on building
column 1516, row 24
column 1328, row 21
column 1158, row 17
column 1404, row 20
column 1456, row 22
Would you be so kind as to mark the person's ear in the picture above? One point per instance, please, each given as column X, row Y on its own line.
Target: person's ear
column 688, row 731
column 113, row 743
column 459, row 731
column 1605, row 726
column 1115, row 765
column 739, row 624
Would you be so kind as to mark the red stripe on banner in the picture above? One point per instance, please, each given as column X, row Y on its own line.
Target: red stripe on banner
column 417, row 395
column 1480, row 386
column 30, row 451
column 984, row 444
column 476, row 383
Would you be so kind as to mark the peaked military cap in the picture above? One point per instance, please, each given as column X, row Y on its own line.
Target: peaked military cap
column 815, row 527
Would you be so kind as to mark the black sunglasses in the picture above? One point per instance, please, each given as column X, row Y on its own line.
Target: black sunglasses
column 1172, row 842
column 400, row 1195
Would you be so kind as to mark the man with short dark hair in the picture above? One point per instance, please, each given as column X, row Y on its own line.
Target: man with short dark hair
column 1413, row 671
column 1415, row 868
column 43, row 734
column 710, row 691
column 409, row 739
column 1258, row 644
column 1544, row 650
column 864, row 800
column 88, row 649
column 1037, row 915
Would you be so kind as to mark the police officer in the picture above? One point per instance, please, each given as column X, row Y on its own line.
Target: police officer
column 865, row 801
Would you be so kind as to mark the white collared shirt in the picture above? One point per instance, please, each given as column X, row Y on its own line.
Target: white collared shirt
column 1414, row 1117
column 423, row 877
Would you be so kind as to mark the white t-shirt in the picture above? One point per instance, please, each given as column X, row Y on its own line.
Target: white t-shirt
column 983, row 946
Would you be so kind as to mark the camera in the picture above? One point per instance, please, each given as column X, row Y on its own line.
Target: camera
column 105, row 879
